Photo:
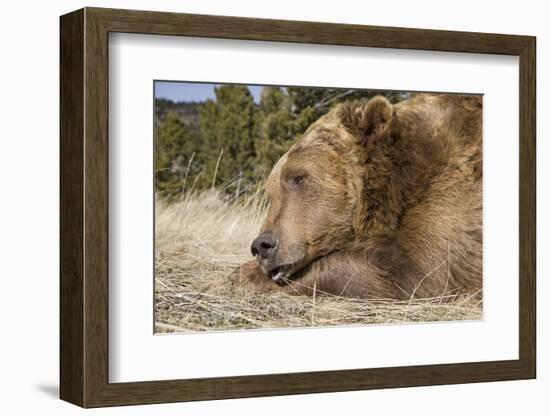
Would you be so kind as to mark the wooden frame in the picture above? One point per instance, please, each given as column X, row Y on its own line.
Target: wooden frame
column 84, row 207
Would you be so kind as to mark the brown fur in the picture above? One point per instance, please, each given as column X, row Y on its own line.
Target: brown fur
column 387, row 204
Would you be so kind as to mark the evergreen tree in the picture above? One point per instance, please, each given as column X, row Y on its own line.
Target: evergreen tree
column 229, row 130
column 276, row 129
column 175, row 150
column 232, row 143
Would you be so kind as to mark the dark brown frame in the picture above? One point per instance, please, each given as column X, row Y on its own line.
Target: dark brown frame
column 84, row 209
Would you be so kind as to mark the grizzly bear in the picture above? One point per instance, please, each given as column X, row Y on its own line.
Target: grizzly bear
column 377, row 201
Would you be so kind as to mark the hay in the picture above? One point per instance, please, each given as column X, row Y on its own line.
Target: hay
column 201, row 239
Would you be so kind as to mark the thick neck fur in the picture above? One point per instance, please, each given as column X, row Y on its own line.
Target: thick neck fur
column 396, row 174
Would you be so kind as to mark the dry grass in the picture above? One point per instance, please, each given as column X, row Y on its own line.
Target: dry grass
column 202, row 238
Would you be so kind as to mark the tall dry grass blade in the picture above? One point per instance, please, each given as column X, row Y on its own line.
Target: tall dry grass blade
column 183, row 188
column 216, row 170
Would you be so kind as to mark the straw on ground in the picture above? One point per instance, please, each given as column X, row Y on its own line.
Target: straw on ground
column 202, row 238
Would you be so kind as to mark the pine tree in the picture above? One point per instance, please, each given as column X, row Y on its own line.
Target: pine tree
column 229, row 130
column 276, row 132
column 231, row 142
column 175, row 151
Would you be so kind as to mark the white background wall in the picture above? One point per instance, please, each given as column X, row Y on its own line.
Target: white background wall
column 29, row 206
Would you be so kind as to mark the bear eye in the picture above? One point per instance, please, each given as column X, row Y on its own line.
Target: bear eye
column 296, row 181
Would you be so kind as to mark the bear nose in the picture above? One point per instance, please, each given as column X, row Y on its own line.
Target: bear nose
column 263, row 245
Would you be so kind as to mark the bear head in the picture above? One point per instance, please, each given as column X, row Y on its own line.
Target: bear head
column 333, row 189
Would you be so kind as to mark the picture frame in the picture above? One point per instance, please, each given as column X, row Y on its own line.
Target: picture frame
column 84, row 216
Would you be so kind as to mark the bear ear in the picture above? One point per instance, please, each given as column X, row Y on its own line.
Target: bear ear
column 368, row 122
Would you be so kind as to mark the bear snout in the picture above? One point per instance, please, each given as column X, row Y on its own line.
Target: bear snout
column 264, row 245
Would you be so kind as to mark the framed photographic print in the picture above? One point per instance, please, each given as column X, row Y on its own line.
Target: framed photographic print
column 255, row 207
